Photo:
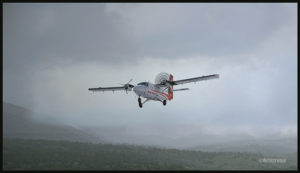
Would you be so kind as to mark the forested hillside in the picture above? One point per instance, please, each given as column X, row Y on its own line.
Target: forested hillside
column 269, row 147
column 20, row 154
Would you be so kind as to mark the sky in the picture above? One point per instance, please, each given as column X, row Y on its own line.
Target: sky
column 54, row 52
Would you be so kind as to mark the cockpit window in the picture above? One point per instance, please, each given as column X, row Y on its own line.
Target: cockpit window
column 143, row 83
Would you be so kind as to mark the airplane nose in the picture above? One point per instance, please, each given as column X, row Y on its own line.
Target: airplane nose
column 138, row 90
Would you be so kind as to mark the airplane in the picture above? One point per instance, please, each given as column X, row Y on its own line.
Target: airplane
column 162, row 90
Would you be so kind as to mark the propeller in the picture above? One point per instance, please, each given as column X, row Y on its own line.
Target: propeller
column 128, row 86
column 162, row 78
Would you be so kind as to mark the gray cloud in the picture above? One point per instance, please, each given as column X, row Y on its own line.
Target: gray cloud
column 65, row 32
column 202, row 29
column 54, row 52
column 112, row 32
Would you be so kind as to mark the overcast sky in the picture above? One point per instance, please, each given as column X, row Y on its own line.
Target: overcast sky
column 52, row 54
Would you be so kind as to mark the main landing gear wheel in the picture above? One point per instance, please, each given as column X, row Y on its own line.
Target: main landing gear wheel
column 164, row 102
column 140, row 102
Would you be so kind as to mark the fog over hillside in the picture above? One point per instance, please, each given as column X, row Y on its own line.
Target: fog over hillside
column 170, row 137
column 19, row 122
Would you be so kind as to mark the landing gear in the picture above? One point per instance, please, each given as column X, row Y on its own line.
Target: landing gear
column 140, row 102
column 164, row 102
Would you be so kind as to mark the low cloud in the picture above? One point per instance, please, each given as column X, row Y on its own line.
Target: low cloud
column 54, row 52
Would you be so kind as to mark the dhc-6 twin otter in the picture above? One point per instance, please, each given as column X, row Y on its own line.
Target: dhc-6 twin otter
column 161, row 91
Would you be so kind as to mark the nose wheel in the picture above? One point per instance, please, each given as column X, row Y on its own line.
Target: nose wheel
column 165, row 102
column 140, row 102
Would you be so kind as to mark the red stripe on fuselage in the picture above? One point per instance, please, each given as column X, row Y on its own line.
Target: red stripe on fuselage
column 163, row 94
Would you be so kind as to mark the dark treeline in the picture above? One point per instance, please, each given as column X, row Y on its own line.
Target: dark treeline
column 21, row 154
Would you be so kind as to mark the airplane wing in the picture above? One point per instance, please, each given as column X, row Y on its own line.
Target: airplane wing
column 107, row 89
column 196, row 79
column 126, row 87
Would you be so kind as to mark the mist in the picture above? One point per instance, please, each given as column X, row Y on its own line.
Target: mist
column 52, row 54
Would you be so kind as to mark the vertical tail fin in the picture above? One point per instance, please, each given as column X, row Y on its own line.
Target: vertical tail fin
column 170, row 91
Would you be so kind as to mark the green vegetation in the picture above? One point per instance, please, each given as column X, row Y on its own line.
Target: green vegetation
column 21, row 154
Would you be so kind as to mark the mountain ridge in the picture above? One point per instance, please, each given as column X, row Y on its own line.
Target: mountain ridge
column 18, row 122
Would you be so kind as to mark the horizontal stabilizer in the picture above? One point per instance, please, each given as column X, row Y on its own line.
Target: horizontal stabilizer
column 181, row 89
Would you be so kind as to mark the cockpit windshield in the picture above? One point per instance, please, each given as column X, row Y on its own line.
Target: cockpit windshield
column 143, row 83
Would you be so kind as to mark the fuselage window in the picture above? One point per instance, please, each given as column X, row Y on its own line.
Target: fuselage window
column 143, row 83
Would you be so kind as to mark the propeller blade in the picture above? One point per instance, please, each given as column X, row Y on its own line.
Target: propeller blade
column 127, row 86
column 129, row 81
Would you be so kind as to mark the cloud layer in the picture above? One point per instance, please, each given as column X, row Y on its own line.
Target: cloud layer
column 54, row 52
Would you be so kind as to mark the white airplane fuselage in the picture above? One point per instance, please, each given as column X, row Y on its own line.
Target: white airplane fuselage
column 152, row 92
column 161, row 91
